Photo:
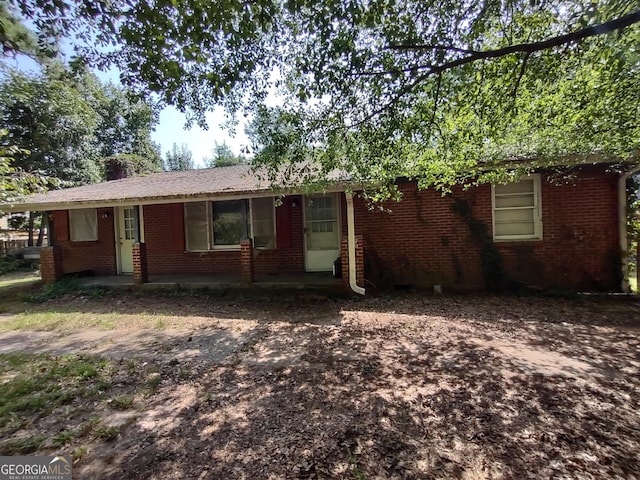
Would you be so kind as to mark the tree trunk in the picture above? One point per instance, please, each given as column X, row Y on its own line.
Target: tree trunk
column 31, row 223
column 637, row 266
column 41, row 232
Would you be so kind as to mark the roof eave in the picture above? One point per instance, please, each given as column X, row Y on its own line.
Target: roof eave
column 26, row 206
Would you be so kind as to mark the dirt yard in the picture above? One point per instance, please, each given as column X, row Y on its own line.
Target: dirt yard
column 295, row 386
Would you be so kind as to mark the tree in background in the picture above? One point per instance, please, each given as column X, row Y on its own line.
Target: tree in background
column 50, row 117
column 66, row 123
column 223, row 156
column 67, row 128
column 125, row 127
column 178, row 158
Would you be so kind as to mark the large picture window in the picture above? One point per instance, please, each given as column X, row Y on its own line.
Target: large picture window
column 516, row 210
column 229, row 222
column 83, row 225
column 222, row 225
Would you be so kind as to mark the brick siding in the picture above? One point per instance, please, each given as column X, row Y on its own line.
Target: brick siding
column 97, row 256
column 422, row 242
column 418, row 242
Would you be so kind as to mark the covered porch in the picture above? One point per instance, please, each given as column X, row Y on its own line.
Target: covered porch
column 319, row 280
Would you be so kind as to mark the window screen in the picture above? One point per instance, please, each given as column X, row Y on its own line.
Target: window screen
column 196, row 226
column 516, row 212
column 263, row 221
column 83, row 225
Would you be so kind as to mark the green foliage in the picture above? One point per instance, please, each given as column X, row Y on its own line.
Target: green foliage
column 55, row 290
column 223, row 156
column 15, row 37
column 122, row 402
column 15, row 181
column 22, row 446
column 18, row 222
column 439, row 91
column 40, row 383
column 62, row 124
column 9, row 264
column 178, row 158
column 125, row 165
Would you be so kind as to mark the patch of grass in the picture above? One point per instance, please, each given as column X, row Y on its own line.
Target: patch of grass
column 106, row 432
column 22, row 446
column 79, row 452
column 63, row 438
column 122, row 402
column 152, row 384
column 11, row 281
column 88, row 426
column 34, row 385
column 55, row 290
column 132, row 365
column 61, row 320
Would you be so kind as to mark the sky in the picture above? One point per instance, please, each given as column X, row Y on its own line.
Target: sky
column 171, row 128
column 200, row 142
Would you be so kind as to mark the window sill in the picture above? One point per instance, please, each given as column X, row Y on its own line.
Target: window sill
column 520, row 239
column 232, row 248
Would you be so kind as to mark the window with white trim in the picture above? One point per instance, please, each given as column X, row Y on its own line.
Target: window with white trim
column 223, row 224
column 517, row 210
column 83, row 225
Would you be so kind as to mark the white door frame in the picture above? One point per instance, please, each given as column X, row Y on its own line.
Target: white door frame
column 118, row 211
column 338, row 204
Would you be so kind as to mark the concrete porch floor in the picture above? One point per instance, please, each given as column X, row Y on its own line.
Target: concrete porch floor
column 285, row 280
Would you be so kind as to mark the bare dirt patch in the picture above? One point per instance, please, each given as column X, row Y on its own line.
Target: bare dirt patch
column 409, row 387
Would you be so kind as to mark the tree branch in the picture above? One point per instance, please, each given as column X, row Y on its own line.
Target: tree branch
column 520, row 75
column 429, row 47
column 528, row 48
column 435, row 102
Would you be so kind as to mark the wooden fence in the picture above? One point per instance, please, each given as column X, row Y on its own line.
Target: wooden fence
column 8, row 246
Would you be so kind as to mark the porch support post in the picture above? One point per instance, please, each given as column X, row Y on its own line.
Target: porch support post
column 140, row 272
column 344, row 261
column 50, row 264
column 246, row 260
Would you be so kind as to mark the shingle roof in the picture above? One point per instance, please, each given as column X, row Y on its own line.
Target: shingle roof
column 233, row 181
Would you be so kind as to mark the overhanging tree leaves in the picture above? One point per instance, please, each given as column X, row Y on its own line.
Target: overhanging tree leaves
column 381, row 88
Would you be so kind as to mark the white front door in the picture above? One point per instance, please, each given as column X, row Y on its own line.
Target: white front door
column 126, row 237
column 322, row 229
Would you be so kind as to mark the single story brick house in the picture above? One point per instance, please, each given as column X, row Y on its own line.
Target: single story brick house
column 538, row 232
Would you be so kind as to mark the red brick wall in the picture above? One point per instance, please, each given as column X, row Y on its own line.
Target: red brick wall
column 420, row 241
column 291, row 258
column 50, row 264
column 98, row 256
column 164, row 258
column 423, row 242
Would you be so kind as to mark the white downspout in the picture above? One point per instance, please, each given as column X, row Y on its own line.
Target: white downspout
column 622, row 225
column 351, row 245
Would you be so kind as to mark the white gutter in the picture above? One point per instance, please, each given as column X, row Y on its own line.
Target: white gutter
column 351, row 244
column 622, row 227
